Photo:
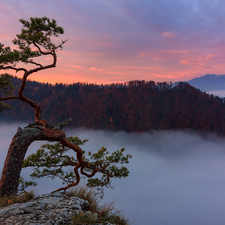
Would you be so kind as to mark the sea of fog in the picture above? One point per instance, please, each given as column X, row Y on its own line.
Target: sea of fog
column 176, row 177
column 220, row 93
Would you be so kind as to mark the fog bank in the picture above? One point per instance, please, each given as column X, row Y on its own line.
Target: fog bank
column 220, row 93
column 175, row 177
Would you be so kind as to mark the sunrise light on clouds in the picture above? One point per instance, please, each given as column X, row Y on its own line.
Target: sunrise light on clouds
column 118, row 41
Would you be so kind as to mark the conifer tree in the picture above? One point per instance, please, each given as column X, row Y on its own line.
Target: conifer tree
column 33, row 42
column 6, row 88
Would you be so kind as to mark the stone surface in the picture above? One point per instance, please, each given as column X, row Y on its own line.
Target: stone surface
column 54, row 208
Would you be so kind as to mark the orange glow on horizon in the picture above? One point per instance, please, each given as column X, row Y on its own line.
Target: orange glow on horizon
column 117, row 50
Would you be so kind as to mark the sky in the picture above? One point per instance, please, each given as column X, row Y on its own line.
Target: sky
column 112, row 41
column 176, row 177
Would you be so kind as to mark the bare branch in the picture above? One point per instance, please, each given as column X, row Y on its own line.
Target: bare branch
column 32, row 62
column 73, row 184
column 59, row 126
column 94, row 171
column 9, row 98
column 39, row 49
column 76, row 148
column 13, row 68
column 60, row 46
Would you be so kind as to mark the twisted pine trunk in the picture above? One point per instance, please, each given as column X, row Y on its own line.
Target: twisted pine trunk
column 16, row 153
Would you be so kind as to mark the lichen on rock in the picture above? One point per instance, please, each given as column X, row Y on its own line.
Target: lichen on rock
column 54, row 208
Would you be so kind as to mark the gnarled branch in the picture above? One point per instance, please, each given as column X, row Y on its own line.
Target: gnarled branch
column 12, row 68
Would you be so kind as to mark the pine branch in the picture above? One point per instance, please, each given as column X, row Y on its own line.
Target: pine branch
column 12, row 68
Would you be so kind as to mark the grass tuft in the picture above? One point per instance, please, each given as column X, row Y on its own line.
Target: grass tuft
column 83, row 218
column 105, row 212
column 23, row 197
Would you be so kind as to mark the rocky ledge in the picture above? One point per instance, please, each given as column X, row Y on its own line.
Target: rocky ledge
column 55, row 208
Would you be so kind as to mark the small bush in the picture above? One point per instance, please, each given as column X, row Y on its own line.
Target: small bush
column 23, row 197
column 83, row 218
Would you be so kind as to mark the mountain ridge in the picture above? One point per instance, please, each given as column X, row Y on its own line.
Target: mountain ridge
column 134, row 106
column 209, row 82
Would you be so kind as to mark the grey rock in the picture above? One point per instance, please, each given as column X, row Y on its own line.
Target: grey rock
column 47, row 209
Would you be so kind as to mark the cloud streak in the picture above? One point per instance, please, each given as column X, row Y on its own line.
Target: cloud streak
column 110, row 34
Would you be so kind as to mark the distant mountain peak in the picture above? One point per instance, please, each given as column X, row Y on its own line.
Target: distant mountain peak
column 209, row 82
column 213, row 76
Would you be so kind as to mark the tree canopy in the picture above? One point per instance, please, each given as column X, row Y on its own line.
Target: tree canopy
column 34, row 37
column 33, row 41
column 52, row 159
column 6, row 88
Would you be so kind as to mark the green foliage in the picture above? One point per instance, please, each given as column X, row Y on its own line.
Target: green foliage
column 51, row 159
column 24, row 184
column 109, row 163
column 6, row 88
column 35, row 33
column 38, row 30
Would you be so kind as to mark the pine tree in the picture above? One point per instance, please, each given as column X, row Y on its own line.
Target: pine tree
column 33, row 42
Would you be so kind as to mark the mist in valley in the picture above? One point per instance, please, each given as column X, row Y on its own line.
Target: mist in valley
column 220, row 93
column 176, row 177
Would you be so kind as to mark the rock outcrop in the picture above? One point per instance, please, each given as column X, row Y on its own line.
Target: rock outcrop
column 54, row 208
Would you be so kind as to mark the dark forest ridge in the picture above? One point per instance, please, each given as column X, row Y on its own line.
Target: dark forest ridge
column 134, row 106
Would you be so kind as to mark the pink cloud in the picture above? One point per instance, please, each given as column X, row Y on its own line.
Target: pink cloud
column 156, row 57
column 75, row 66
column 176, row 51
column 67, row 53
column 92, row 53
column 183, row 51
column 143, row 54
column 95, row 69
column 209, row 56
column 5, row 37
column 48, row 58
column 184, row 61
column 169, row 34
column 117, row 49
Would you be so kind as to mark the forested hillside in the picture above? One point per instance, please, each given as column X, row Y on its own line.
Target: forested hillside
column 134, row 106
